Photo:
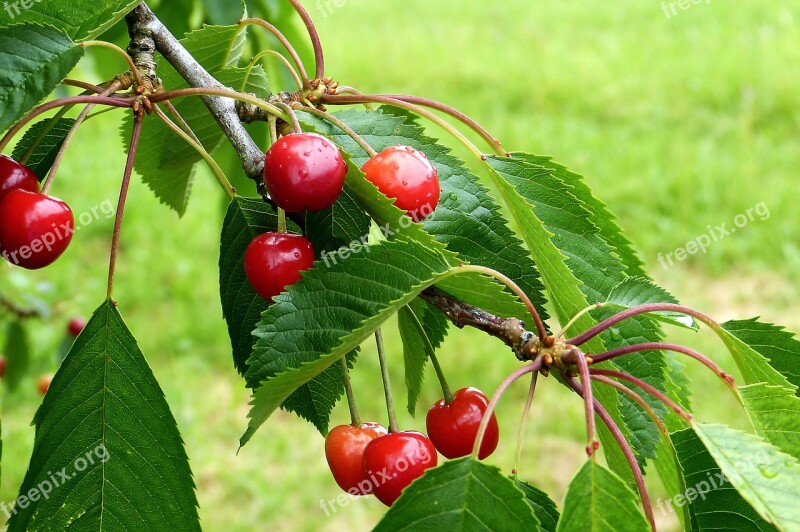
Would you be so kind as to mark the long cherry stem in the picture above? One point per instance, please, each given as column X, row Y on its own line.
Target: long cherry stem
column 437, row 367
column 223, row 93
column 96, row 89
column 286, row 44
column 524, row 422
column 123, row 195
column 583, row 369
column 638, row 399
column 341, row 125
column 355, row 419
column 280, row 57
column 387, row 384
column 319, row 56
column 578, row 316
column 626, row 450
column 121, row 52
column 652, row 390
column 181, row 121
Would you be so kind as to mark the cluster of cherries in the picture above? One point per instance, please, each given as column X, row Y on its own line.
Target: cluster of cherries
column 306, row 172
column 35, row 229
column 367, row 459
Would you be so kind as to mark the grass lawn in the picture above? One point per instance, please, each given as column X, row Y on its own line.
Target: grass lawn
column 679, row 124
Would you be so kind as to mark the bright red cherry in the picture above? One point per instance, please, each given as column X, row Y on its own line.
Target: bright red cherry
column 44, row 383
column 35, row 229
column 76, row 326
column 406, row 175
column 344, row 450
column 16, row 176
column 453, row 427
column 273, row 262
column 304, row 172
column 394, row 461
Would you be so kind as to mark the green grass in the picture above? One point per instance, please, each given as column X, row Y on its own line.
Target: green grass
column 677, row 123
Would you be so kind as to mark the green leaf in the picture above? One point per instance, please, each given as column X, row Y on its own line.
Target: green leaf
column 42, row 141
column 636, row 291
column 241, row 305
column 18, row 354
column 105, row 424
column 343, row 225
column 708, row 495
column 33, row 61
column 417, row 350
column 80, row 19
column 598, row 500
column 545, row 509
column 461, row 495
column 778, row 346
column 775, row 412
column 763, row 475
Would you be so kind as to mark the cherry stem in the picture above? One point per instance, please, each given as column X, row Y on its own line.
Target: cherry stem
column 319, row 56
column 540, row 328
column 574, row 356
column 123, row 195
column 121, row 52
column 181, row 121
column 635, row 311
column 524, row 422
column 636, row 398
column 626, row 450
column 96, row 89
column 280, row 57
column 487, row 416
column 652, row 390
column 286, row 44
column 341, row 125
column 387, row 384
column 355, row 419
column 448, row 394
column 292, row 116
column 281, row 220
column 660, row 346
column 219, row 174
column 348, row 100
column 578, row 316
column 61, row 102
column 346, row 89
column 222, row 93
column 68, row 138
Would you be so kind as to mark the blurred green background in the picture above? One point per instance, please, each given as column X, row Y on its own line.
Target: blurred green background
column 679, row 122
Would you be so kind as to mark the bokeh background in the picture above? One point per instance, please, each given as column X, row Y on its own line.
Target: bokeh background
column 679, row 121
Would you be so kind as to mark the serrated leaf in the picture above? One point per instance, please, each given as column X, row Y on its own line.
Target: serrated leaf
column 417, row 350
column 598, row 500
column 635, row 291
column 772, row 342
column 41, row 144
column 17, row 351
column 754, row 364
column 341, row 226
column 713, row 503
column 775, row 413
column 33, row 61
column 543, row 506
column 461, row 495
column 106, row 425
column 80, row 19
column 763, row 475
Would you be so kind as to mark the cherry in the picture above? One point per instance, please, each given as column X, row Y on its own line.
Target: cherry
column 76, row 326
column 304, row 172
column 405, row 174
column 453, row 427
column 2, row 366
column 273, row 262
column 44, row 383
column 344, row 450
column 35, row 229
column 16, row 176
column 394, row 461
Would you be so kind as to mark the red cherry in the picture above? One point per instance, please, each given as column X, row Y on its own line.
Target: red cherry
column 344, row 450
column 408, row 176
column 76, row 326
column 273, row 262
column 35, row 229
column 3, row 367
column 304, row 172
column 16, row 176
column 44, row 383
column 394, row 461
column 453, row 427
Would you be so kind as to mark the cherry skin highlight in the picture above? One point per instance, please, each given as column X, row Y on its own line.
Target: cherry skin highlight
column 344, row 451
column 35, row 229
column 16, row 176
column 274, row 261
column 453, row 427
column 406, row 175
column 394, row 461
column 304, row 172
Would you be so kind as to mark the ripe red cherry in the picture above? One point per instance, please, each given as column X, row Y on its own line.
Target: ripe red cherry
column 35, row 229
column 453, row 427
column 16, row 176
column 273, row 262
column 304, row 172
column 408, row 176
column 344, row 450
column 394, row 461
column 76, row 326
column 44, row 383
column 3, row 367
